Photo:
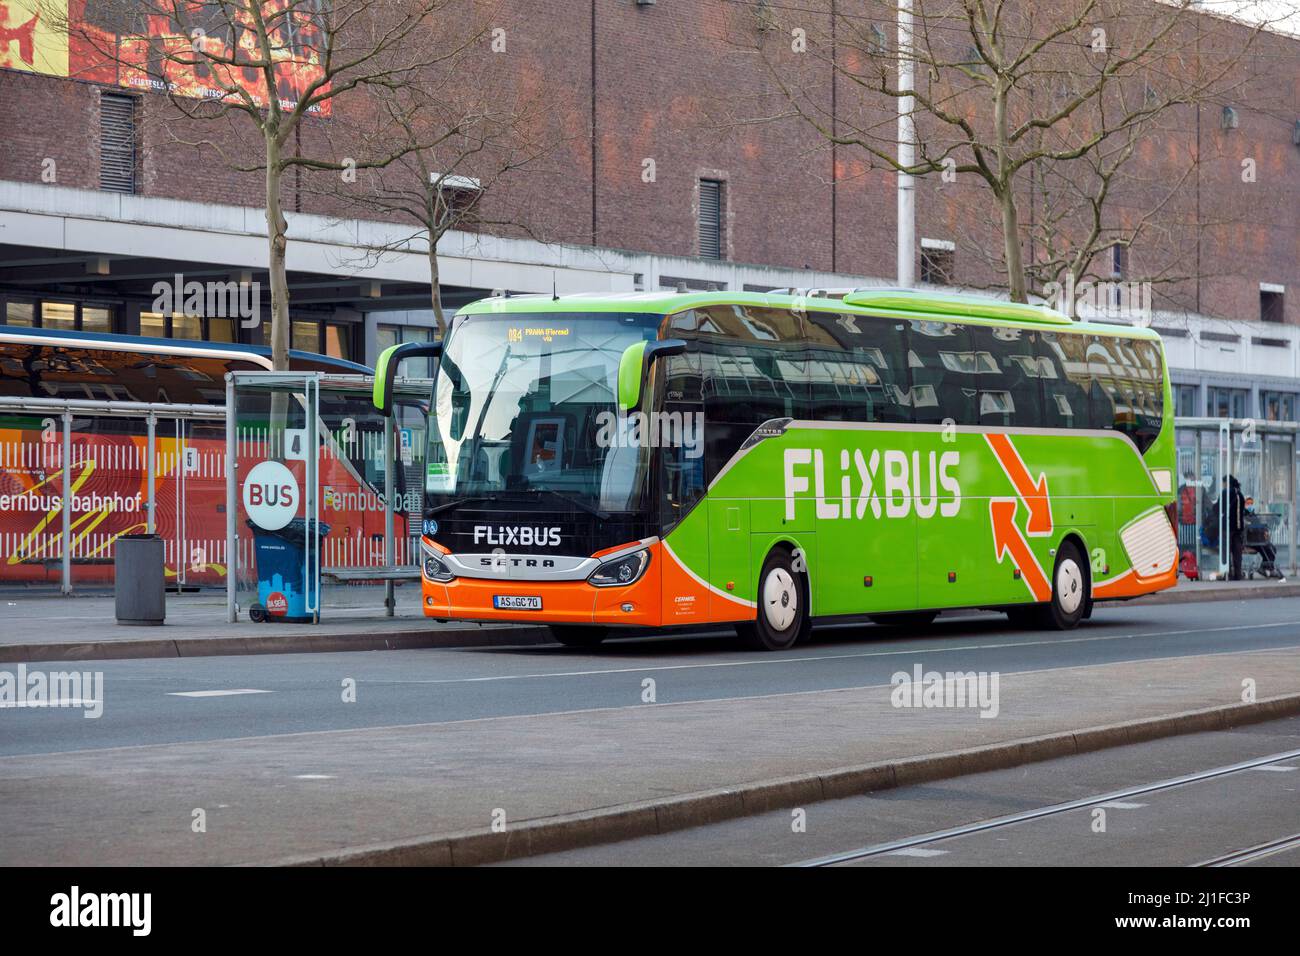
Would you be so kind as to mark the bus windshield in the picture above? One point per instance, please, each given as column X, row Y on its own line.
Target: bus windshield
column 526, row 404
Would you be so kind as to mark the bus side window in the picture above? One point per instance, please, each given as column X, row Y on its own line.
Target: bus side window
column 1005, row 363
column 1106, row 406
column 682, row 466
column 943, row 373
column 857, row 368
column 1065, row 390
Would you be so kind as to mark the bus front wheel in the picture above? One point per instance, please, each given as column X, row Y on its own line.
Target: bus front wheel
column 577, row 636
column 783, row 619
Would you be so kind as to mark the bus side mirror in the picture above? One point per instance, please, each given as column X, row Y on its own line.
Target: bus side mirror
column 386, row 369
column 635, row 363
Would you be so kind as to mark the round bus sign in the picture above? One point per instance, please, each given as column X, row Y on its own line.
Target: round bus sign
column 270, row 495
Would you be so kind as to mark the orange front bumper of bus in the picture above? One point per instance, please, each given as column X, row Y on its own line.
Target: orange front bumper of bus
column 563, row 602
column 666, row 595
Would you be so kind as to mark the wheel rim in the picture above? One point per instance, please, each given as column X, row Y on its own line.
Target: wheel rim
column 1069, row 586
column 780, row 599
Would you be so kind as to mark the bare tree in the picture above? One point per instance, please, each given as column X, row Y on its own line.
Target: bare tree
column 1011, row 90
column 455, row 134
column 264, row 67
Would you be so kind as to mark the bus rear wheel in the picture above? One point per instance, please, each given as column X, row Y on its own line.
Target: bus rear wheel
column 1070, row 601
column 783, row 619
column 573, row 635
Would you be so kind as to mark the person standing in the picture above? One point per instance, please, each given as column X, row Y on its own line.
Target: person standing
column 1233, row 503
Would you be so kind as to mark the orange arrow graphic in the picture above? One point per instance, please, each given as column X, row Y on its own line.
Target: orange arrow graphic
column 1007, row 537
column 1032, row 493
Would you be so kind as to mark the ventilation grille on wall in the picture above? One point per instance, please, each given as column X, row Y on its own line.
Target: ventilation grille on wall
column 710, row 219
column 117, row 143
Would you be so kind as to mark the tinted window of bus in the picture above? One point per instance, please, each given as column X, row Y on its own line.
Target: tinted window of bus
column 1135, row 381
column 1008, row 377
column 751, row 371
column 682, row 467
column 1066, row 401
column 945, row 372
column 857, row 368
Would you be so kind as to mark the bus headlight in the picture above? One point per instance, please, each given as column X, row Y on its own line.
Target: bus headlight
column 434, row 569
column 621, row 571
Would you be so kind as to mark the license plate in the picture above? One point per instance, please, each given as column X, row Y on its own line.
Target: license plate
column 516, row 602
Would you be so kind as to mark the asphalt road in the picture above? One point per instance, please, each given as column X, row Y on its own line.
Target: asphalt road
column 217, row 698
column 1043, row 814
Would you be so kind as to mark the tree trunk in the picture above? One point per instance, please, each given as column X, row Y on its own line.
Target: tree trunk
column 434, row 282
column 1006, row 195
column 276, row 228
column 1011, row 247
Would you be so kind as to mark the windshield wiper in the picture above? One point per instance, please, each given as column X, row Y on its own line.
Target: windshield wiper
column 577, row 503
column 456, row 502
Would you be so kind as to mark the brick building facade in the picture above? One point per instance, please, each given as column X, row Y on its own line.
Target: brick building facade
column 670, row 86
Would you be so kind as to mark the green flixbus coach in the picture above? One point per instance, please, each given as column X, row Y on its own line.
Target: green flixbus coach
column 770, row 460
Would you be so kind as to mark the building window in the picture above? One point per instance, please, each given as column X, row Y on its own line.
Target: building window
column 937, row 261
column 96, row 319
column 153, row 325
column 305, row 335
column 710, row 226
column 1185, row 405
column 338, row 341
column 1271, row 303
column 20, row 313
column 877, row 40
column 386, row 336
column 117, row 154
column 221, row 330
column 59, row 315
column 187, row 326
column 1227, row 402
column 1277, row 406
column 458, row 197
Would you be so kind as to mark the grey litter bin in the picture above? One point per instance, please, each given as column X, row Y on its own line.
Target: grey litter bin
column 140, row 588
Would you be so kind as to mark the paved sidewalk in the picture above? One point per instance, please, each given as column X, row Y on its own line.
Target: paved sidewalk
column 309, row 795
column 36, row 625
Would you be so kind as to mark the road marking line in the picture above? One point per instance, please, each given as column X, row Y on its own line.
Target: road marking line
column 1275, row 769
column 1121, row 805
column 313, row 776
column 214, row 693
column 838, row 657
column 916, row 851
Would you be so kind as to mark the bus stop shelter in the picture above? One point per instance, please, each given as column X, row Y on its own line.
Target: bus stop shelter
column 319, row 486
column 1262, row 457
